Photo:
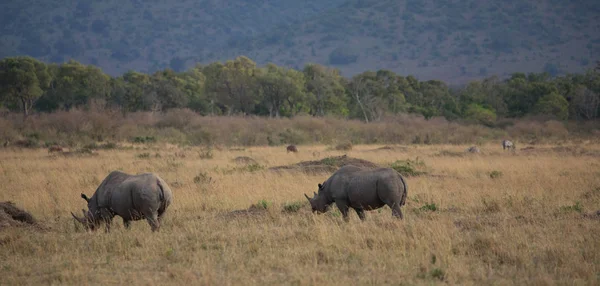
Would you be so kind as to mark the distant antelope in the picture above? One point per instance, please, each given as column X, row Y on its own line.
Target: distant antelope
column 506, row 144
column 291, row 148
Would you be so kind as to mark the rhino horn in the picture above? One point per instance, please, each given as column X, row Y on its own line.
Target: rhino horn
column 307, row 197
column 85, row 198
column 81, row 220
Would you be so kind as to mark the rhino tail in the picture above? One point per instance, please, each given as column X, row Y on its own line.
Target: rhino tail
column 403, row 201
column 162, row 191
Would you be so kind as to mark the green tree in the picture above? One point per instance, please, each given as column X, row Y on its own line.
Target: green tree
column 234, row 84
column 376, row 93
column 167, row 91
column 75, row 84
column 23, row 80
column 130, row 92
column 325, row 90
column 479, row 114
column 553, row 104
column 194, row 82
column 280, row 88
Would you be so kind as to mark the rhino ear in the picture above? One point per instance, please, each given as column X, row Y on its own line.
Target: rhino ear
column 320, row 186
column 85, row 197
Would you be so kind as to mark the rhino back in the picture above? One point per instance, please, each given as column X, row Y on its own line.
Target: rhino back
column 374, row 188
column 336, row 187
column 136, row 195
column 103, row 194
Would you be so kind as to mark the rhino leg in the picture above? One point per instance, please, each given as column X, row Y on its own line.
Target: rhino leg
column 396, row 212
column 361, row 214
column 343, row 207
column 127, row 223
column 153, row 221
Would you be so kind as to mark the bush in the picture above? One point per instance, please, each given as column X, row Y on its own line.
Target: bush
column 206, row 154
column 346, row 146
column 262, row 204
column 495, row 174
column 144, row 139
column 292, row 207
column 409, row 167
column 577, row 207
column 202, row 178
column 429, row 207
column 143, row 156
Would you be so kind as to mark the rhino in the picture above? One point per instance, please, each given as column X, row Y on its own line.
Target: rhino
column 361, row 189
column 132, row 197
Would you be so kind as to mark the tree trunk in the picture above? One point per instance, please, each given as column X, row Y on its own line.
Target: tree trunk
column 25, row 107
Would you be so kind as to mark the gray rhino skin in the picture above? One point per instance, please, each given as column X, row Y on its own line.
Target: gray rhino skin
column 132, row 197
column 361, row 189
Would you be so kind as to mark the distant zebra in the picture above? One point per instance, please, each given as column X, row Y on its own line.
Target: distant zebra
column 506, row 144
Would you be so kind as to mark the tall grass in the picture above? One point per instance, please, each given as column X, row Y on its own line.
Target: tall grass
column 532, row 225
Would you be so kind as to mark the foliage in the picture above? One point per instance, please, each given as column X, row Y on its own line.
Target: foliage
column 495, row 174
column 429, row 207
column 293, row 207
column 240, row 87
column 409, row 167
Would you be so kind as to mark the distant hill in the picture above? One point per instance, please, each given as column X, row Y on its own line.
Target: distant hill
column 449, row 40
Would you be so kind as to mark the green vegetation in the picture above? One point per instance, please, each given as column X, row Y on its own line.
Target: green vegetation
column 240, row 87
column 410, row 167
column 293, row 207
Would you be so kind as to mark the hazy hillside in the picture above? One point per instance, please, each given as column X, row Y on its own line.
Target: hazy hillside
column 449, row 40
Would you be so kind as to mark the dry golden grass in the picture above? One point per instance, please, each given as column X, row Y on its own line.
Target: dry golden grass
column 529, row 225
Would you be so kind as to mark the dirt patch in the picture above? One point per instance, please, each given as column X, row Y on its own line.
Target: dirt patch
column 326, row 165
column 244, row 160
column 12, row 216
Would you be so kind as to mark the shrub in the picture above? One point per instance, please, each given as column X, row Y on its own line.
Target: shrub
column 577, row 207
column 202, row 178
column 206, row 154
column 409, row 167
column 429, row 207
column 495, row 174
column 262, row 204
column 292, row 207
column 143, row 156
column 346, row 146
column 144, row 139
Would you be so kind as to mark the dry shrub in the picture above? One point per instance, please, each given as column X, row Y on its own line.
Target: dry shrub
column 345, row 146
column 183, row 126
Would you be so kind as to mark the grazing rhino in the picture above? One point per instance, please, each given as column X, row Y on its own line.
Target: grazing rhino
column 361, row 189
column 292, row 148
column 132, row 197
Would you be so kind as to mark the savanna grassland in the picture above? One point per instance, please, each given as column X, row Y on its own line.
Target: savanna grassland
column 527, row 217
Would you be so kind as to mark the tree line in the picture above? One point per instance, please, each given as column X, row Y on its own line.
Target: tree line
column 239, row 86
